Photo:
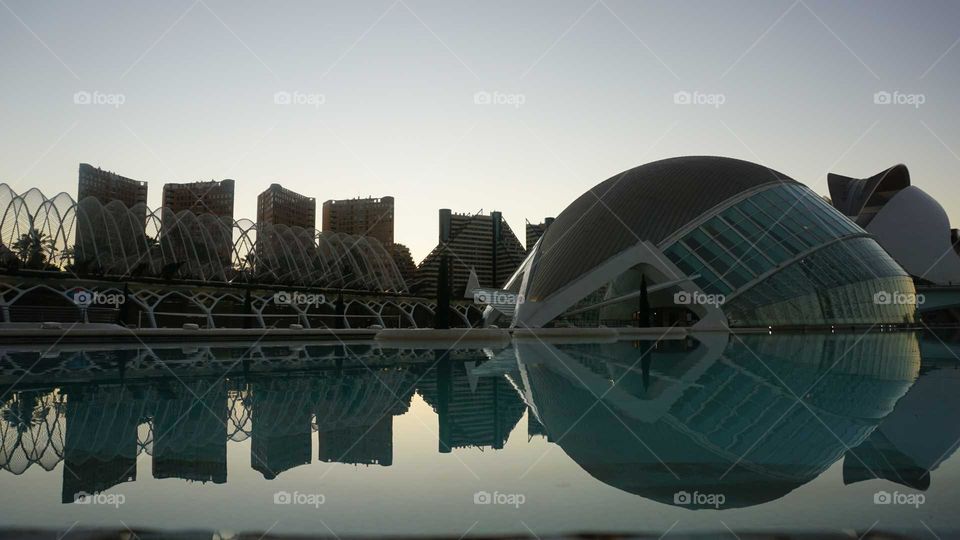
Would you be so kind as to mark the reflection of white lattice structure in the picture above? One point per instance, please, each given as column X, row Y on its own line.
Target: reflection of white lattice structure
column 32, row 431
column 130, row 242
column 278, row 392
column 89, row 424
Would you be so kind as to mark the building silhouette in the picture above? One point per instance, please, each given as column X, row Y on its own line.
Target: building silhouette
column 354, row 415
column 212, row 202
column 100, row 443
column 471, row 411
column 358, row 445
column 211, row 197
column 535, row 231
column 363, row 217
column 277, row 205
column 281, row 425
column 106, row 187
column 404, row 260
column 480, row 242
column 190, row 438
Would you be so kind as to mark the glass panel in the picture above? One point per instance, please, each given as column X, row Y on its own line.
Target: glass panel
column 834, row 285
column 765, row 230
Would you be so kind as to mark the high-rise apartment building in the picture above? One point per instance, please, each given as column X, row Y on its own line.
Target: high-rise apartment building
column 280, row 206
column 201, row 199
column 404, row 261
column 364, row 217
column 211, row 197
column 484, row 243
column 105, row 187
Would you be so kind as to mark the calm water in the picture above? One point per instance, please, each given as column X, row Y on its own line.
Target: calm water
column 750, row 433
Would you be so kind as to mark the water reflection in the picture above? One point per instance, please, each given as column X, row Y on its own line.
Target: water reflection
column 751, row 417
column 716, row 416
column 169, row 404
column 920, row 433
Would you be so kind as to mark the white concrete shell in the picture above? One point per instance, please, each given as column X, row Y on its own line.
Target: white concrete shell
column 915, row 230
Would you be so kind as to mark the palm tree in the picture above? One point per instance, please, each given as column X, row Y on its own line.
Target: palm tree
column 24, row 410
column 8, row 259
column 67, row 255
column 34, row 248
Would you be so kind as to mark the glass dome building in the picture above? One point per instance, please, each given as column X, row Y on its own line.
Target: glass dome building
column 709, row 241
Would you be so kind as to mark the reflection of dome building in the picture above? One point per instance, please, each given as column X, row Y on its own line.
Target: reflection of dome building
column 907, row 222
column 716, row 419
column 919, row 435
column 699, row 226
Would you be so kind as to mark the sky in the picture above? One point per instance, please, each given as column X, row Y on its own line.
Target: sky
column 511, row 106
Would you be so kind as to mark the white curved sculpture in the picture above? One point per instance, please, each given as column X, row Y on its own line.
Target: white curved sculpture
column 907, row 222
column 915, row 229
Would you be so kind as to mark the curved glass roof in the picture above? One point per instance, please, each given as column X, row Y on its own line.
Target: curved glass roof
column 649, row 202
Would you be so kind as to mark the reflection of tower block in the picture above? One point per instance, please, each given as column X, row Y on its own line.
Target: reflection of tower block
column 535, row 428
column 358, row 445
column 280, row 438
column 100, row 449
column 191, row 443
column 273, row 454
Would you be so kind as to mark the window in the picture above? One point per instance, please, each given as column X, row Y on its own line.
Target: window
column 756, row 235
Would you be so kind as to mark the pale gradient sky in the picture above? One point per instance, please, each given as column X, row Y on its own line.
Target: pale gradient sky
column 399, row 77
